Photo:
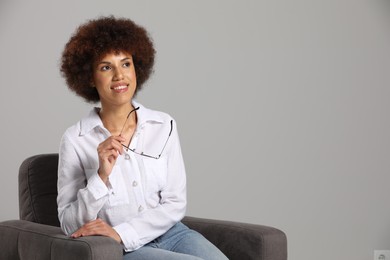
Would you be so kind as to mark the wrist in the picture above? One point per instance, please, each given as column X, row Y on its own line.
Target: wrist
column 103, row 176
column 117, row 237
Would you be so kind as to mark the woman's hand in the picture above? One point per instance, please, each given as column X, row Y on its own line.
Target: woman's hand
column 108, row 152
column 97, row 227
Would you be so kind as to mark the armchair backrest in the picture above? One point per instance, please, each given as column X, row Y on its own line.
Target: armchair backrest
column 38, row 189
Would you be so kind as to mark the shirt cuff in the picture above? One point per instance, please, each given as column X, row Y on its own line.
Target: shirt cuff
column 97, row 187
column 129, row 236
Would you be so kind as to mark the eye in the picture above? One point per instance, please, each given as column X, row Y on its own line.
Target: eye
column 104, row 68
column 126, row 64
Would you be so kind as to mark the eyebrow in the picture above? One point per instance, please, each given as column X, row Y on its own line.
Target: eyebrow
column 107, row 62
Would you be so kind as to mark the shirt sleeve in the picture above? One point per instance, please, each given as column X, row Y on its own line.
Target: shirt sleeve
column 153, row 222
column 79, row 199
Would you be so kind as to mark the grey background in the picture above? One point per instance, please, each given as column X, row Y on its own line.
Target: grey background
column 282, row 108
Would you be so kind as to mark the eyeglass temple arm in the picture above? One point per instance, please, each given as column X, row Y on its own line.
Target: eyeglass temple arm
column 170, row 132
column 128, row 115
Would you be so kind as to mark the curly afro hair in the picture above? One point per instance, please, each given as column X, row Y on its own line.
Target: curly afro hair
column 93, row 40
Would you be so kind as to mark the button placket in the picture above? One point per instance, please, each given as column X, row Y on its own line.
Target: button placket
column 134, row 143
column 136, row 182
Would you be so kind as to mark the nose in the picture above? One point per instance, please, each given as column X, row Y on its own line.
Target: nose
column 118, row 74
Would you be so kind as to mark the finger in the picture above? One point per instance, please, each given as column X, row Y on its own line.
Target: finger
column 118, row 147
column 79, row 232
column 97, row 227
column 75, row 235
column 95, row 223
column 93, row 228
column 109, row 145
column 113, row 155
column 84, row 231
column 108, row 155
column 120, row 138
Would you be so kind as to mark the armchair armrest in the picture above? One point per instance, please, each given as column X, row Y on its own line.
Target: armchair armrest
column 21, row 239
column 240, row 240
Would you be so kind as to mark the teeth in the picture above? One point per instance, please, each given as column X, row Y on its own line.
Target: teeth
column 120, row 87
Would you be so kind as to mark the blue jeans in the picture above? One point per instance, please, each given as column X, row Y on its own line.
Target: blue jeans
column 178, row 243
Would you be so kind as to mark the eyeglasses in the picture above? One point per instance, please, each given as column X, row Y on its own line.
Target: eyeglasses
column 142, row 153
column 148, row 155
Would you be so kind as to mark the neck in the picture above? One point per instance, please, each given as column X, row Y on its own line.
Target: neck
column 115, row 118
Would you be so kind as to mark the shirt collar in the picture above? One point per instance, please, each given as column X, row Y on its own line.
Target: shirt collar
column 144, row 115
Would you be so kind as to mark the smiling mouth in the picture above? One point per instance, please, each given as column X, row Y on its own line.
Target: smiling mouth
column 120, row 88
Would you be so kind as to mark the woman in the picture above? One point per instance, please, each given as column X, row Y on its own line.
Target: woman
column 121, row 172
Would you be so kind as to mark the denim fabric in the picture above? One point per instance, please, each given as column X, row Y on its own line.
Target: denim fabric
column 179, row 243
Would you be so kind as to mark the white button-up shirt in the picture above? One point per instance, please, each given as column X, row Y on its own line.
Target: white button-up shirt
column 144, row 196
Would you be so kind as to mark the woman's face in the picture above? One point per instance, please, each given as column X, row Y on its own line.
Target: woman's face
column 114, row 78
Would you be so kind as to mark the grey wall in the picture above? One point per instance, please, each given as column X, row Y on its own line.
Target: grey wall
column 282, row 106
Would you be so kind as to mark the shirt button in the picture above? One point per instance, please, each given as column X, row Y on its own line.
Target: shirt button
column 127, row 157
column 135, row 184
column 140, row 208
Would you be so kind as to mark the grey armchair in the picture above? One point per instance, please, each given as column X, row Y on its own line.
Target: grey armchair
column 37, row 234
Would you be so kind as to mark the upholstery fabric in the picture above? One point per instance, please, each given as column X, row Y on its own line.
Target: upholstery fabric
column 241, row 240
column 38, row 189
column 38, row 236
column 27, row 240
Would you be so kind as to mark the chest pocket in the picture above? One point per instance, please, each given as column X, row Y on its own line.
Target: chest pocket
column 155, row 179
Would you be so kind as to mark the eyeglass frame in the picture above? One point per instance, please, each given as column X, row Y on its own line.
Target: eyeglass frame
column 150, row 156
